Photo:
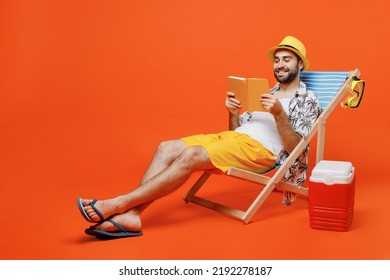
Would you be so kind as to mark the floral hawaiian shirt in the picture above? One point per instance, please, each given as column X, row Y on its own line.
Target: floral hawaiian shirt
column 304, row 109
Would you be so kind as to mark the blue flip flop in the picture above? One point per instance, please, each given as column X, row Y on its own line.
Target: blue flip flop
column 85, row 214
column 106, row 235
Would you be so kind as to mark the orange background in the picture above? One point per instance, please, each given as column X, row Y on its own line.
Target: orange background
column 89, row 88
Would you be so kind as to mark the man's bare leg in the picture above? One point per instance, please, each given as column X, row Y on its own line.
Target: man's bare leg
column 164, row 156
column 167, row 179
column 166, row 152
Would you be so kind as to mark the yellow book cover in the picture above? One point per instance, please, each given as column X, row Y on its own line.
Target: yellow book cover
column 248, row 91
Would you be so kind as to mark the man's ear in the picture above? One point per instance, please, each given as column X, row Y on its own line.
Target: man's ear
column 301, row 65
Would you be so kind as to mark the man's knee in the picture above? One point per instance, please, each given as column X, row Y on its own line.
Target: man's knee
column 194, row 158
column 170, row 148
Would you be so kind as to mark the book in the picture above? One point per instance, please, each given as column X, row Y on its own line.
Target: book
column 248, row 91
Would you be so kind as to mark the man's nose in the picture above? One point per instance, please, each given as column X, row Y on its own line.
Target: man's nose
column 280, row 64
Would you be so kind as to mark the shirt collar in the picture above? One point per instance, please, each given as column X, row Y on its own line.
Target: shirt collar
column 301, row 89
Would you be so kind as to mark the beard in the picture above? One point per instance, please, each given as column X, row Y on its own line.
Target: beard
column 291, row 75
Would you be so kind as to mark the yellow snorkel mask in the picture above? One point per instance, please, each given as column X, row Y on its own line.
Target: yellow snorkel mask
column 354, row 96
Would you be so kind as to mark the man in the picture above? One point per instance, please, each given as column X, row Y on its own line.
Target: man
column 256, row 142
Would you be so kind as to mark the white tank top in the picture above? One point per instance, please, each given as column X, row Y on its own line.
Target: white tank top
column 262, row 128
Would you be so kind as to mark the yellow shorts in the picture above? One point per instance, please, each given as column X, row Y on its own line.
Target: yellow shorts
column 230, row 148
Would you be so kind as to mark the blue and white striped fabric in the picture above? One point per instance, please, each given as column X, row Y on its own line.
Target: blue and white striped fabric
column 325, row 84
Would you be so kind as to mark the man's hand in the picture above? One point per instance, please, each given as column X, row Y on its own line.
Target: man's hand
column 271, row 104
column 289, row 136
column 232, row 104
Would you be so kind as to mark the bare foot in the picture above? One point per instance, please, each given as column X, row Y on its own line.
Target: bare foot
column 130, row 220
column 107, row 208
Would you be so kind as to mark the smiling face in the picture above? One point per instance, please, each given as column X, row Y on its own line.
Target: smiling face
column 287, row 66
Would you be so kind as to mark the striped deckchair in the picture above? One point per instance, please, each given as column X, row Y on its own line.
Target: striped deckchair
column 330, row 87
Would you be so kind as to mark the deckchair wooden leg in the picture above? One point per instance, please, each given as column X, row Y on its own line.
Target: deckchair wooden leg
column 267, row 190
column 198, row 184
column 191, row 197
column 223, row 209
column 320, row 141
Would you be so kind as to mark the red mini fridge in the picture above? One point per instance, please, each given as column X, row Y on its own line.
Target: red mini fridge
column 332, row 195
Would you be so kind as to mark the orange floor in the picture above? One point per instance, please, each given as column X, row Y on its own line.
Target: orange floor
column 43, row 226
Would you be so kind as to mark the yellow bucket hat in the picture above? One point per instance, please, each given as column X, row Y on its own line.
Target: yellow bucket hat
column 294, row 45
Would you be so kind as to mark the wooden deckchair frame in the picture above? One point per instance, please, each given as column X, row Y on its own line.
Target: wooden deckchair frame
column 271, row 183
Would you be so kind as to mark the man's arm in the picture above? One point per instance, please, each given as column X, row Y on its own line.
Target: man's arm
column 233, row 121
column 290, row 138
column 233, row 105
